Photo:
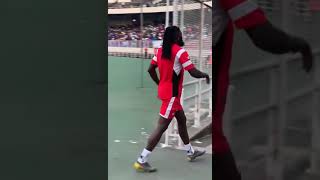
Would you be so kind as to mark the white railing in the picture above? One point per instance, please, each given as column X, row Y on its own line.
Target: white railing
column 172, row 137
column 190, row 43
column 276, row 108
column 197, row 98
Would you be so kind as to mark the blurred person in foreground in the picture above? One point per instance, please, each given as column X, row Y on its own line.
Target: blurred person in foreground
column 248, row 16
column 171, row 60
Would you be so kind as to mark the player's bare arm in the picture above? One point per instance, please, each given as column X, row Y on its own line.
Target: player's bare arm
column 194, row 72
column 153, row 73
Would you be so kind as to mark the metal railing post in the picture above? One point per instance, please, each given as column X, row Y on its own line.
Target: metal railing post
column 197, row 122
column 282, row 105
column 175, row 13
column 196, row 108
column 270, row 167
column 167, row 13
column 315, row 145
column 227, row 114
column 182, row 17
column 210, row 103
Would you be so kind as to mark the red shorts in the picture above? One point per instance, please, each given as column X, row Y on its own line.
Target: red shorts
column 169, row 107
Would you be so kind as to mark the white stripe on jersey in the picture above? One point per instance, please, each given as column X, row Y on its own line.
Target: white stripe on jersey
column 187, row 63
column 242, row 9
column 177, row 65
column 154, row 58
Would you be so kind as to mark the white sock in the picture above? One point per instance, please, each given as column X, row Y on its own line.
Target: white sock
column 189, row 149
column 144, row 156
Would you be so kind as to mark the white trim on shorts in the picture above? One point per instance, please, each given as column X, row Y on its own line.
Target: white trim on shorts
column 168, row 108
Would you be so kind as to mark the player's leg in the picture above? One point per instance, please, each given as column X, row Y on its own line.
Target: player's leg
column 182, row 126
column 142, row 162
column 157, row 133
column 166, row 115
column 183, row 132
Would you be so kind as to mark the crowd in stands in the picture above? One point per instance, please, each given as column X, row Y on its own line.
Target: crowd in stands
column 137, row 3
column 150, row 32
column 134, row 32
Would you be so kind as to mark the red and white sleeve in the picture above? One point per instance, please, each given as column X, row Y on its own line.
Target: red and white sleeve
column 185, row 61
column 155, row 59
column 244, row 13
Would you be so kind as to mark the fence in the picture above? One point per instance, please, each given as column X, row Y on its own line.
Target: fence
column 279, row 121
column 194, row 19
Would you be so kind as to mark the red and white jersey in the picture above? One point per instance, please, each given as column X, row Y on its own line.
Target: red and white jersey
column 171, row 71
column 243, row 13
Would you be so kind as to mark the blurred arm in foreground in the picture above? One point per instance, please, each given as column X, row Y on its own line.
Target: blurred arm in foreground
column 271, row 39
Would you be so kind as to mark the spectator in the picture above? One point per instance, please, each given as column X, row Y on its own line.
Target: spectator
column 150, row 32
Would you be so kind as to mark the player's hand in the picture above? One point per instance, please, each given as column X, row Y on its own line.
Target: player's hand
column 207, row 78
column 307, row 56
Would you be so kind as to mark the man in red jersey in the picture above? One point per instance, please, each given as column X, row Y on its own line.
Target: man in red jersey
column 248, row 16
column 171, row 60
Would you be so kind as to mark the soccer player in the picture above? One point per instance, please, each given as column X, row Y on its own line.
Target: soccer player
column 248, row 16
column 171, row 60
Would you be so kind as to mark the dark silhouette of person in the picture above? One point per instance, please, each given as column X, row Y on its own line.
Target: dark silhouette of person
column 247, row 16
